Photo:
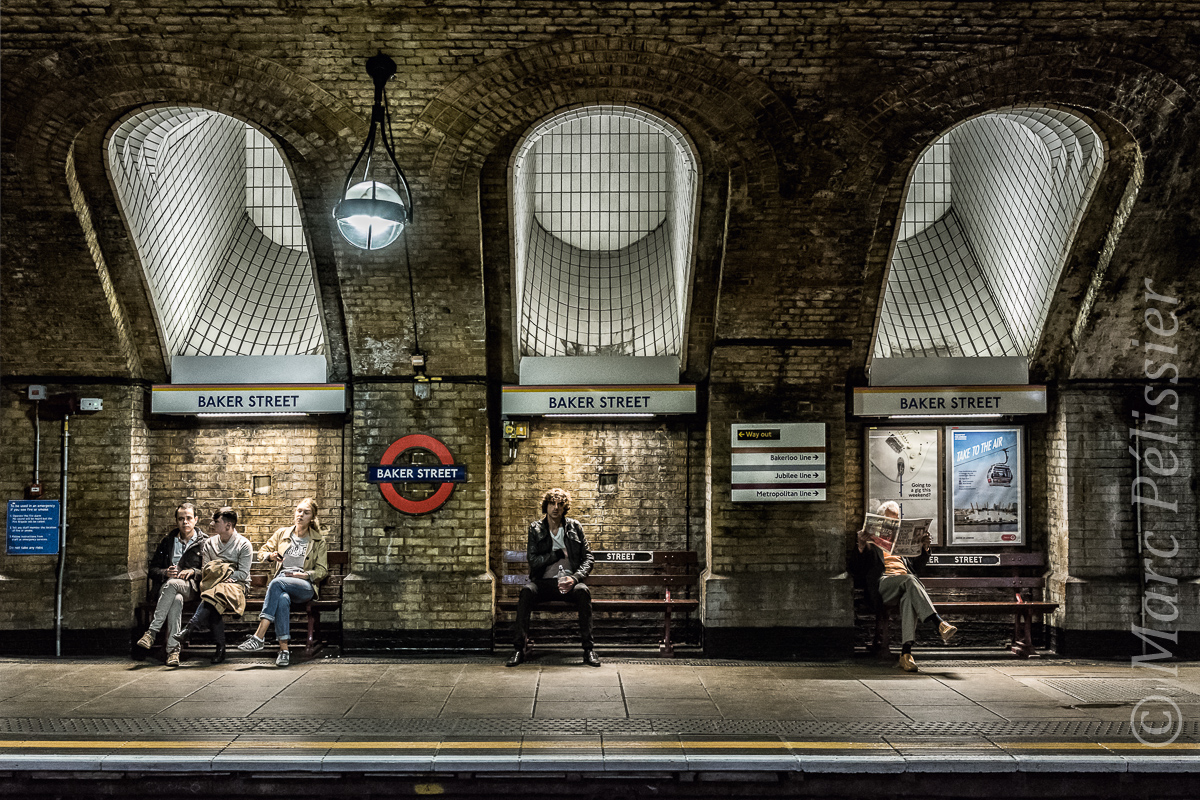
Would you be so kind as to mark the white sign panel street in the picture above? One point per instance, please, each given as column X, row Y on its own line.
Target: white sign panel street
column 944, row 401
column 597, row 400
column 248, row 400
column 778, row 462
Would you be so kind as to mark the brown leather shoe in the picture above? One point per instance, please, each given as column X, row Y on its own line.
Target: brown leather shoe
column 907, row 662
column 173, row 658
column 947, row 631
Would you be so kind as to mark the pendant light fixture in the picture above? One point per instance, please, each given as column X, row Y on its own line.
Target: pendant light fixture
column 371, row 214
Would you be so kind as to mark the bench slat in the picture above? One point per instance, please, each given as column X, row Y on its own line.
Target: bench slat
column 659, row 581
column 1036, row 607
column 658, row 605
column 983, row 583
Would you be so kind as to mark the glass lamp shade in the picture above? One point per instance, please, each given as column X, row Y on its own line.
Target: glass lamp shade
column 367, row 222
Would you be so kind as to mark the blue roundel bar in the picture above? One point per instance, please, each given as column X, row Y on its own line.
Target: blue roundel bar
column 417, row 473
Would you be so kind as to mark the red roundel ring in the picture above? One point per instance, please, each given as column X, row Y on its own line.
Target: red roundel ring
column 435, row 501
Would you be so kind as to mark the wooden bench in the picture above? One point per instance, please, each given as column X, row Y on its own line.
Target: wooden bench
column 260, row 577
column 1027, row 591
column 668, row 571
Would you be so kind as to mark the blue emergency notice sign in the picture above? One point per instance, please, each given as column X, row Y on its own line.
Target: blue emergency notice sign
column 32, row 528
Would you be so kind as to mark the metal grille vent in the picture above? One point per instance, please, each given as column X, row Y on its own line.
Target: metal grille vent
column 1119, row 690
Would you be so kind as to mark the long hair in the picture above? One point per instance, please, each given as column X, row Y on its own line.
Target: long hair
column 312, row 504
column 555, row 494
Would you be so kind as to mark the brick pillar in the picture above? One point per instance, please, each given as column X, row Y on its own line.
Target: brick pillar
column 1096, row 569
column 776, row 583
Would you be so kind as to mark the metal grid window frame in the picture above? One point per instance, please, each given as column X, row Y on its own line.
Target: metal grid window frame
column 211, row 209
column 989, row 217
column 604, row 210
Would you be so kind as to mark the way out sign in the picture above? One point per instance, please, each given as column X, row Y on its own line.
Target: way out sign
column 778, row 462
column 445, row 474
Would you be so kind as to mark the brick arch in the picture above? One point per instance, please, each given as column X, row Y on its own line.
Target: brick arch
column 1133, row 100
column 55, row 98
column 59, row 109
column 735, row 118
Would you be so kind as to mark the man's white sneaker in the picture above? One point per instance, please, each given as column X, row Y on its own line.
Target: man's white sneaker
column 283, row 659
column 251, row 645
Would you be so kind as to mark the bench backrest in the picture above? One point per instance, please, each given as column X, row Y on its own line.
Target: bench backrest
column 331, row 588
column 1014, row 571
column 671, row 569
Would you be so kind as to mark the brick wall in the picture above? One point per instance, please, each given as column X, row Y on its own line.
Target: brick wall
column 419, row 578
column 806, row 119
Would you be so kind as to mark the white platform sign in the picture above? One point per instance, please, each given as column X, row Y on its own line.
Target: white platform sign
column 598, row 400
column 778, row 462
column 249, row 400
column 948, row 401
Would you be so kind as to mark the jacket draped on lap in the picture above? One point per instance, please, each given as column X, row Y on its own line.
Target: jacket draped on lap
column 218, row 591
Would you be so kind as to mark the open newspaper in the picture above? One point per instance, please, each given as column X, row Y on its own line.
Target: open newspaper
column 898, row 537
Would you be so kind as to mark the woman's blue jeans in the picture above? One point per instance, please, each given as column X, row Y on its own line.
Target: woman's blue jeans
column 278, row 605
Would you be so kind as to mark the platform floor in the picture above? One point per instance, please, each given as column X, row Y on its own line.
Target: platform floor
column 471, row 719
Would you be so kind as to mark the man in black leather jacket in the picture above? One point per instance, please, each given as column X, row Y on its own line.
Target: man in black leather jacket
column 175, row 570
column 560, row 559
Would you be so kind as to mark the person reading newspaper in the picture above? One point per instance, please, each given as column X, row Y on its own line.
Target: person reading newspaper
column 891, row 578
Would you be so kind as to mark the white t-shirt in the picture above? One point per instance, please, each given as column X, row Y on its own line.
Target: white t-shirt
column 293, row 559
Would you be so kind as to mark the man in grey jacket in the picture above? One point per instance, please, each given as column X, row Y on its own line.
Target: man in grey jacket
column 560, row 559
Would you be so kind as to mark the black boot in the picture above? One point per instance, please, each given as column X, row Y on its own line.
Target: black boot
column 184, row 635
column 219, row 655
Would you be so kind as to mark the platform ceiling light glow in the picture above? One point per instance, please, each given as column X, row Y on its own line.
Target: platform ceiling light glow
column 991, row 211
column 371, row 214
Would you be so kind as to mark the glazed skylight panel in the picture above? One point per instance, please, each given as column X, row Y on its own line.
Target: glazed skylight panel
column 1012, row 185
column 214, row 218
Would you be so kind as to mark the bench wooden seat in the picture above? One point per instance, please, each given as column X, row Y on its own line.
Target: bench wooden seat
column 668, row 570
column 1023, row 608
column 260, row 577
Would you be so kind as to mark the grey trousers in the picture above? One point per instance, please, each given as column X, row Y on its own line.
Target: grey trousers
column 171, row 597
column 915, row 605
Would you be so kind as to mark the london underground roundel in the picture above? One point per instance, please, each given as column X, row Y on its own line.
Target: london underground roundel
column 445, row 474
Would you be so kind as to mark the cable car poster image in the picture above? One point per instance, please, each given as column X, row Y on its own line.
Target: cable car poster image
column 987, row 505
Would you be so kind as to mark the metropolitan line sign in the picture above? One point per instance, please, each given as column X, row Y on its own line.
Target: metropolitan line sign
column 778, row 462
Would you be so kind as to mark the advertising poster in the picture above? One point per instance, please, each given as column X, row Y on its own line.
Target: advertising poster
column 905, row 467
column 986, row 505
